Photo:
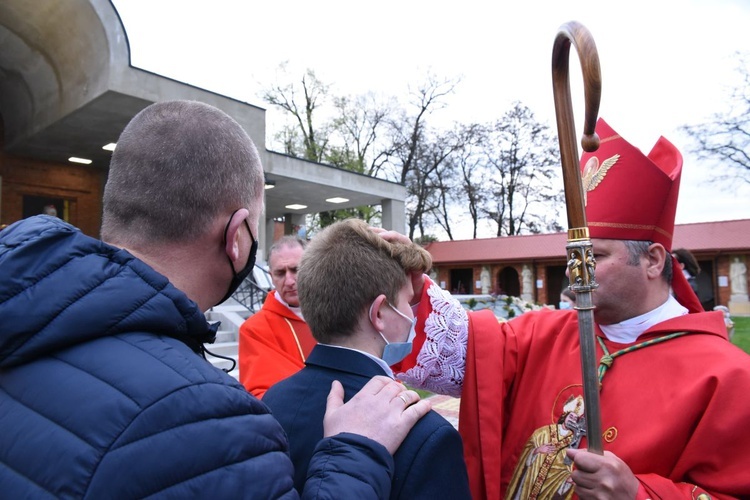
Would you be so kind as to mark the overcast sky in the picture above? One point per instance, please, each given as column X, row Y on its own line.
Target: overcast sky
column 664, row 63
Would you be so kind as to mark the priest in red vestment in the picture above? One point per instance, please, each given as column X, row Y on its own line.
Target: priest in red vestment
column 275, row 341
column 673, row 389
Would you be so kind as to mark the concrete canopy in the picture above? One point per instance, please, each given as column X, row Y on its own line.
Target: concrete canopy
column 67, row 88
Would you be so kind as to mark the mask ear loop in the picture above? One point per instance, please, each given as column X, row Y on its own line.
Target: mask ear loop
column 407, row 318
column 225, row 370
column 214, row 327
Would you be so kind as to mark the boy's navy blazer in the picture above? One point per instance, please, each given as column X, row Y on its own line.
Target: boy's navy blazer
column 428, row 464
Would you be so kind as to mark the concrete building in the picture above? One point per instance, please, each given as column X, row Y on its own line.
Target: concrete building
column 533, row 267
column 67, row 89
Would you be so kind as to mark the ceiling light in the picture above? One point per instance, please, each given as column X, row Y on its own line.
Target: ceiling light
column 79, row 160
column 269, row 184
column 337, row 199
column 109, row 147
column 295, row 206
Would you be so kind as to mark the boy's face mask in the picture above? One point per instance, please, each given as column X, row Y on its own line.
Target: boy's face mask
column 393, row 352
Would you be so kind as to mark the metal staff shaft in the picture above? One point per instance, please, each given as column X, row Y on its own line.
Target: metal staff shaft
column 581, row 263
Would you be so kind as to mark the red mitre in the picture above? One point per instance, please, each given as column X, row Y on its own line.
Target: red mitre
column 631, row 196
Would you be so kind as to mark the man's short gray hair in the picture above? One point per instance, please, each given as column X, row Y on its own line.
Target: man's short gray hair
column 289, row 240
column 638, row 249
column 176, row 166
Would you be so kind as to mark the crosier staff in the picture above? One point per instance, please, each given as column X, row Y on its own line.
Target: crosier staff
column 581, row 264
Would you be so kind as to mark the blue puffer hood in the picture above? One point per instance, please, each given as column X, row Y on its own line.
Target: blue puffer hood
column 60, row 288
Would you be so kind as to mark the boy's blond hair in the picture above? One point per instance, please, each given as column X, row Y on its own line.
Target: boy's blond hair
column 343, row 270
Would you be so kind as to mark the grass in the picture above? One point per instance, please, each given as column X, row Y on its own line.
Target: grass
column 422, row 394
column 741, row 336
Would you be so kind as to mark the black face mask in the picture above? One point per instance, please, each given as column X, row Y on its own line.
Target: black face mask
column 239, row 277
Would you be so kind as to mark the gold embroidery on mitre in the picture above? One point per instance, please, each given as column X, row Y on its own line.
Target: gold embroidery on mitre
column 593, row 173
column 620, row 225
column 610, row 434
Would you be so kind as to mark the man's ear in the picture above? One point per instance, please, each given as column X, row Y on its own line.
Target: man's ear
column 376, row 319
column 657, row 256
column 232, row 243
column 417, row 284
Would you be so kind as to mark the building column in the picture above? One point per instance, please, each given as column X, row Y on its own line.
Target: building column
column 293, row 220
column 393, row 215
column 738, row 301
column 265, row 243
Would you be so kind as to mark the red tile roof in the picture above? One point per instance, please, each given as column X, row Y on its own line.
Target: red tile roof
column 705, row 237
column 719, row 237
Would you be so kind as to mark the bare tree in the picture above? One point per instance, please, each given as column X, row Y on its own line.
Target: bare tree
column 417, row 152
column 362, row 123
column 505, row 171
column 408, row 128
column 289, row 139
column 470, row 166
column 431, row 183
column 459, row 183
column 523, row 158
column 300, row 101
column 725, row 138
column 342, row 142
column 442, row 186
column 420, row 185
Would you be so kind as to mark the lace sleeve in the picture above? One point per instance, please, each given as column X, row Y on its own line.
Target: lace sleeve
column 441, row 363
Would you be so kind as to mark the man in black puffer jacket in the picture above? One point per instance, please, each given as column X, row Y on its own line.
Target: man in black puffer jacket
column 103, row 392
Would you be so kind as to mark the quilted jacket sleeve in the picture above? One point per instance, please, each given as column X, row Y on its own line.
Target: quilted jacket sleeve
column 349, row 466
column 233, row 450
column 209, row 440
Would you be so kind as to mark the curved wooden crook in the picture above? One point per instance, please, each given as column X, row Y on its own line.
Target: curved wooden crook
column 577, row 34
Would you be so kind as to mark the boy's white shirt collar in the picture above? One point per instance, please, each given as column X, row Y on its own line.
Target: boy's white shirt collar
column 379, row 361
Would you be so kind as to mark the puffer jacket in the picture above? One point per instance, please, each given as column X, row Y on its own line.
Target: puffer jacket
column 103, row 394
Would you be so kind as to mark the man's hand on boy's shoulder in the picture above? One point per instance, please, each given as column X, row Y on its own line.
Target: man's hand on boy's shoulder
column 384, row 410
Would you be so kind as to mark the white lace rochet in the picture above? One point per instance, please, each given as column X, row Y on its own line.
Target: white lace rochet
column 441, row 363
